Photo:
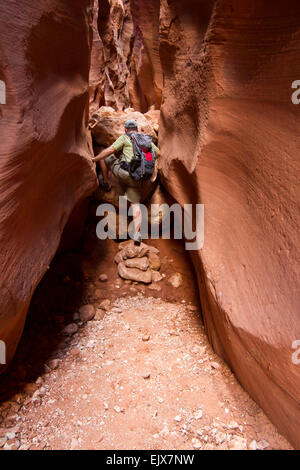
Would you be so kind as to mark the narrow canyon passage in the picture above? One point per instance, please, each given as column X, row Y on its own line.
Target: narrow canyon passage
column 140, row 375
column 213, row 83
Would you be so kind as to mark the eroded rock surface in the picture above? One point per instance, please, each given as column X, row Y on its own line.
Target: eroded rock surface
column 107, row 124
column 44, row 151
column 228, row 136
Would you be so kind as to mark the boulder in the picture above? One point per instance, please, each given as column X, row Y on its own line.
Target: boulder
column 107, row 125
column 87, row 312
column 134, row 274
column 139, row 263
column 154, row 261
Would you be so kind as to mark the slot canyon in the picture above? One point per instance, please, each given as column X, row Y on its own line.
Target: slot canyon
column 204, row 353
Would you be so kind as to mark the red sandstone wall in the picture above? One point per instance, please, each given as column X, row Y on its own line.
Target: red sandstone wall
column 44, row 157
column 229, row 137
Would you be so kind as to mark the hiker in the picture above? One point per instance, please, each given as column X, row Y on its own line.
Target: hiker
column 136, row 164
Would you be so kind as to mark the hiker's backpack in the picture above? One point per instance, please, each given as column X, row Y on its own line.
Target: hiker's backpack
column 141, row 166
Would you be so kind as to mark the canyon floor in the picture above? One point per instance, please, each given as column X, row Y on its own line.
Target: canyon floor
column 140, row 375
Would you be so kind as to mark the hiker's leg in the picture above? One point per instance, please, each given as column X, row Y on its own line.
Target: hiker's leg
column 105, row 171
column 137, row 217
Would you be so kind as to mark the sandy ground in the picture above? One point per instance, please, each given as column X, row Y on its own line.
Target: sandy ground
column 141, row 375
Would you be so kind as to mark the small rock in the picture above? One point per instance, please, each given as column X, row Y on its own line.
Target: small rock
column 75, row 352
column 233, row 425
column 134, row 274
column 139, row 263
column 87, row 313
column 196, row 443
column 70, row 329
column 253, row 445
column 105, row 304
column 198, row 414
column 76, row 316
column 176, row 280
column 154, row 261
column 146, row 375
column 238, row 443
column 215, row 365
column 146, row 337
column 220, row 437
column 117, row 409
column 103, row 277
column 192, row 308
column 156, row 276
column 74, row 444
column 262, row 444
column 12, row 444
column 99, row 315
column 178, row 418
column 53, row 364
column 2, row 441
column 117, row 310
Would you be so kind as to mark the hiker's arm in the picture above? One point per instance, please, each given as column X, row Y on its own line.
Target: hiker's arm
column 154, row 176
column 105, row 153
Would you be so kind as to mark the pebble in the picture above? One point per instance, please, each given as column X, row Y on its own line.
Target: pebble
column 215, row 365
column 87, row 312
column 253, row 445
column 75, row 352
column 53, row 364
column 103, row 277
column 70, row 329
column 196, row 443
column 176, row 280
column 146, row 375
column 146, row 338
column 74, row 444
column 238, row 443
column 2, row 441
column 178, row 418
column 262, row 444
column 198, row 414
column 105, row 304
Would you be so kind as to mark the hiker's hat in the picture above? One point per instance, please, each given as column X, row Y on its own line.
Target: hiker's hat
column 131, row 124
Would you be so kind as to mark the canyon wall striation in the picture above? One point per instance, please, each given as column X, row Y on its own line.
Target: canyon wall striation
column 45, row 166
column 229, row 137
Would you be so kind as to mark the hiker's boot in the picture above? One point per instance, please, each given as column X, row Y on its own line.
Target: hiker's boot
column 137, row 238
column 104, row 184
